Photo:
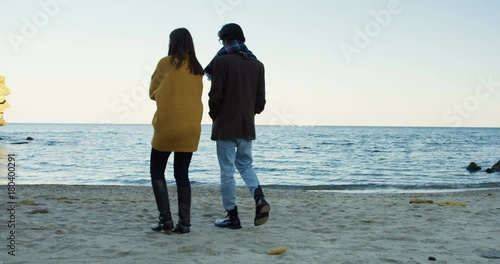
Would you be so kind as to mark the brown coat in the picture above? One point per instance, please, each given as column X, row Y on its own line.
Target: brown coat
column 237, row 93
column 177, row 121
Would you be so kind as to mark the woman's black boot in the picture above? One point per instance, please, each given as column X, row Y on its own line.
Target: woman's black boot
column 161, row 196
column 184, row 205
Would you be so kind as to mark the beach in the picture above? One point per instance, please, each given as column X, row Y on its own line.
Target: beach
column 111, row 224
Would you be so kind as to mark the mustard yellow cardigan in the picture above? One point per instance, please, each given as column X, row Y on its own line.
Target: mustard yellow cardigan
column 177, row 121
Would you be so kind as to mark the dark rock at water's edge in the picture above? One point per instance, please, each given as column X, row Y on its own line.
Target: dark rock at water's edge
column 490, row 254
column 19, row 143
column 489, row 170
column 496, row 167
column 23, row 142
column 473, row 167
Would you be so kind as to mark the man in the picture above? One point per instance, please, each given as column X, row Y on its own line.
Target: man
column 237, row 94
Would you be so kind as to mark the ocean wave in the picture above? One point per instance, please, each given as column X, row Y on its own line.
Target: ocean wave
column 387, row 187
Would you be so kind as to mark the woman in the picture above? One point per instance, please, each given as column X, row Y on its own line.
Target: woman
column 176, row 86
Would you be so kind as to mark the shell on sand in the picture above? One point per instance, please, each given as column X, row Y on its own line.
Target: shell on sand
column 277, row 250
column 27, row 202
column 451, row 204
column 418, row 200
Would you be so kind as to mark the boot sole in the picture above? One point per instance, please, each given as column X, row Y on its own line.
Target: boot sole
column 166, row 230
column 159, row 228
column 228, row 226
column 181, row 230
column 262, row 216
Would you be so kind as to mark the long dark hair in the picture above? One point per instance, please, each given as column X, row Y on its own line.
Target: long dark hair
column 180, row 45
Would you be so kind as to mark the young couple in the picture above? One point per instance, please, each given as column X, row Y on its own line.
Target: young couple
column 236, row 95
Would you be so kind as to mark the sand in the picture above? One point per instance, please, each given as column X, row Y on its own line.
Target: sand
column 111, row 224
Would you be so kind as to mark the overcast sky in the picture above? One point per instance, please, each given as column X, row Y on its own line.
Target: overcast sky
column 359, row 62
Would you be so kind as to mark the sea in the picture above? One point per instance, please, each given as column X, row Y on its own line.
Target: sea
column 323, row 158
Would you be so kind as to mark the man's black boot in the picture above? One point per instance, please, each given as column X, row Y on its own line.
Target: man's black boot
column 231, row 220
column 262, row 208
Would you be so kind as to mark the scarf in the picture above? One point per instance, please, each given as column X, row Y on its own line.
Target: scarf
column 232, row 47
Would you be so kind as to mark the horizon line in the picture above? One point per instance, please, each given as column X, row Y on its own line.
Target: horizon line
column 299, row 125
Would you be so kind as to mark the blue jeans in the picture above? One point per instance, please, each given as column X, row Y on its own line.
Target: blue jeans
column 235, row 153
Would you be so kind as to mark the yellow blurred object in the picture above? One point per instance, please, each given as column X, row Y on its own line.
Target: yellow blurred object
column 3, row 88
column 277, row 251
column 4, row 105
column 451, row 204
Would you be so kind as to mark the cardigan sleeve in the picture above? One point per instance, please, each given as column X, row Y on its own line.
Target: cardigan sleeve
column 156, row 79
